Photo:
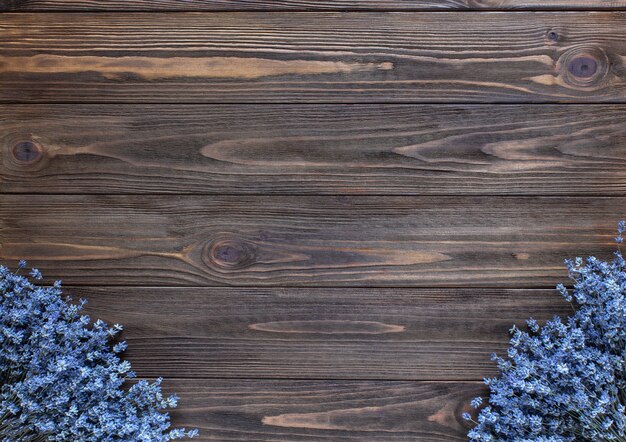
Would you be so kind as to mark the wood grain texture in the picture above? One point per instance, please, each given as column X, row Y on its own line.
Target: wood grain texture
column 249, row 410
column 313, row 57
column 319, row 149
column 306, row 241
column 334, row 333
column 303, row 5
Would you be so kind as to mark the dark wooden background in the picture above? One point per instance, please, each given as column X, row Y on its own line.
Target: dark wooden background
column 316, row 219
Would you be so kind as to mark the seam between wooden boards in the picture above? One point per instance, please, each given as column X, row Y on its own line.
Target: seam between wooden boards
column 312, row 10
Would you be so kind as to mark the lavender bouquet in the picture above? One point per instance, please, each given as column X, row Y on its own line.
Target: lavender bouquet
column 62, row 380
column 565, row 381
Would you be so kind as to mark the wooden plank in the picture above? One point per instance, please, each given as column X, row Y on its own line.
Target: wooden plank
column 313, row 57
column 306, row 241
column 321, row 149
column 304, row 5
column 335, row 333
column 247, row 410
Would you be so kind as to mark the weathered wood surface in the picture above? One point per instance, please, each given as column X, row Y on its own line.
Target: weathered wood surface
column 304, row 5
column 317, row 333
column 320, row 149
column 310, row 183
column 308, row 241
column 313, row 57
column 249, row 410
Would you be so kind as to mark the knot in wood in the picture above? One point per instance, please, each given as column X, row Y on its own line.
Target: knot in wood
column 229, row 254
column 584, row 66
column 552, row 36
column 27, row 152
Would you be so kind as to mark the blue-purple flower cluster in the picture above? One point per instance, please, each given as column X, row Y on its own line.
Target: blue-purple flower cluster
column 62, row 380
column 565, row 381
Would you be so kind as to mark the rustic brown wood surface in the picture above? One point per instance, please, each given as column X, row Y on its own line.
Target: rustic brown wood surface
column 318, row 333
column 313, row 57
column 306, row 241
column 266, row 410
column 316, row 219
column 304, row 5
column 320, row 149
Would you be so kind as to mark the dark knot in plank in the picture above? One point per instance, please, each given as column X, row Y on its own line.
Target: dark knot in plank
column 229, row 254
column 586, row 66
column 27, row 152
column 552, row 36
column 583, row 66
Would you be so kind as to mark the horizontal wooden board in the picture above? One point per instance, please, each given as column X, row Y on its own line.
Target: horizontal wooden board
column 247, row 410
column 317, row 333
column 320, row 149
column 301, row 5
column 306, row 241
column 313, row 57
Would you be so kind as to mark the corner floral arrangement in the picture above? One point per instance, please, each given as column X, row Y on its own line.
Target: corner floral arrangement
column 61, row 378
column 565, row 381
